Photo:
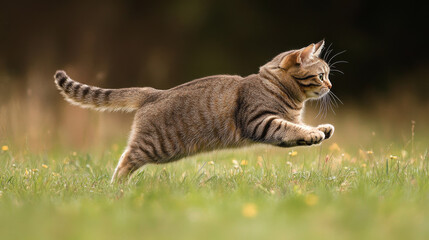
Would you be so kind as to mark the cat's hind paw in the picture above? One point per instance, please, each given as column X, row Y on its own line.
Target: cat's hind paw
column 327, row 129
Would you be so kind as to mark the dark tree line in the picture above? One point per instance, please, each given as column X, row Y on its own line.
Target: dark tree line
column 165, row 43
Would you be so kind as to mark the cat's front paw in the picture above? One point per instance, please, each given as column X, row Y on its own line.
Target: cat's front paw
column 327, row 129
column 314, row 136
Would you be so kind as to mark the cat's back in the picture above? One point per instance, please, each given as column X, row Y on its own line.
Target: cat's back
column 208, row 92
column 202, row 84
column 215, row 94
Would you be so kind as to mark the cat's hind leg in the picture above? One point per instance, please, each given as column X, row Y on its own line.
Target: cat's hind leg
column 131, row 160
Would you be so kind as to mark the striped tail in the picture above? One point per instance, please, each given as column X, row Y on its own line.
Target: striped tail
column 124, row 99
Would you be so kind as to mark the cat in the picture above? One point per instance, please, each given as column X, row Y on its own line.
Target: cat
column 214, row 112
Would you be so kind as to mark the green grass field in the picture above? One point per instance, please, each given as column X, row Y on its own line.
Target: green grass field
column 322, row 192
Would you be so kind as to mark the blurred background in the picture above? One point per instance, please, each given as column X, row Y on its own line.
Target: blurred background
column 162, row 44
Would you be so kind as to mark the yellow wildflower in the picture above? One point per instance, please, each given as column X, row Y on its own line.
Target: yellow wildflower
column 44, row 166
column 244, row 162
column 249, row 210
column 369, row 152
column 311, row 199
column 293, row 153
column 4, row 148
column 363, row 165
column 334, row 147
column 211, row 163
column 393, row 157
column 297, row 190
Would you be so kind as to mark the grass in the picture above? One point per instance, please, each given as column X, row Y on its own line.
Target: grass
column 322, row 192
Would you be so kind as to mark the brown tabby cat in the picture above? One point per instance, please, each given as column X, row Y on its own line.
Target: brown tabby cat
column 215, row 112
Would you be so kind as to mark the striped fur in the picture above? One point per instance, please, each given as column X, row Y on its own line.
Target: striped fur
column 126, row 99
column 215, row 112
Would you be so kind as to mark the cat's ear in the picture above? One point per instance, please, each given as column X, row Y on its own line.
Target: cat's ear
column 303, row 55
column 318, row 48
column 307, row 53
column 291, row 59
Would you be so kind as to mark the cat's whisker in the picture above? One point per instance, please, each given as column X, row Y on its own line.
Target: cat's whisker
column 320, row 101
column 323, row 107
column 331, row 104
column 335, row 96
column 334, row 56
column 333, row 67
column 327, row 105
column 340, row 61
column 333, row 100
column 326, row 51
column 336, row 70
column 325, row 112
column 337, row 54
column 317, row 103
column 334, row 103
column 329, row 53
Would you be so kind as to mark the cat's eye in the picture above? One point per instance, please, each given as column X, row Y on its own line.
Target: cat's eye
column 321, row 76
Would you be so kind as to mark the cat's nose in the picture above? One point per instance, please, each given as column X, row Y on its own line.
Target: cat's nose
column 328, row 84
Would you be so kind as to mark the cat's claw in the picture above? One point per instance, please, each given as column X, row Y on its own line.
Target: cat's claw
column 327, row 129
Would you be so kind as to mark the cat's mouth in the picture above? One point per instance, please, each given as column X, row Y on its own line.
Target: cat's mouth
column 321, row 93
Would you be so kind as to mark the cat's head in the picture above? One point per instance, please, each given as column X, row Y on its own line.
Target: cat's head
column 302, row 71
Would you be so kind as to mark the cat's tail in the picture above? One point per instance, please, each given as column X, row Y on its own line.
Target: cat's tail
column 124, row 99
